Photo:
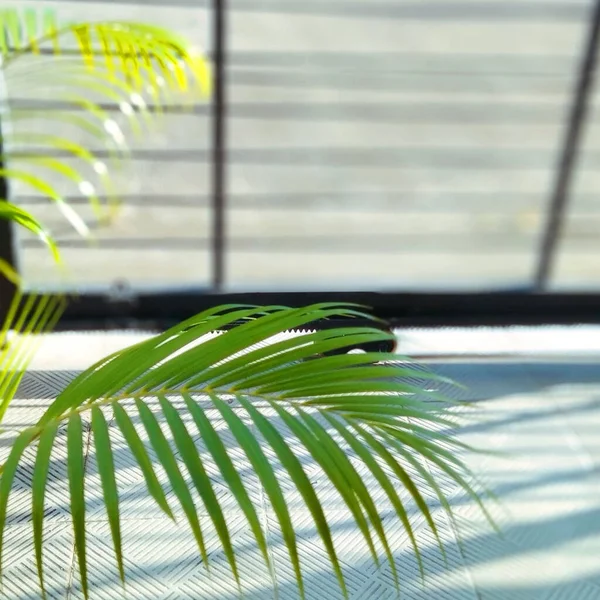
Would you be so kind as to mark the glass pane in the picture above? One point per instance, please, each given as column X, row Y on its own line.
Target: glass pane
column 161, row 235
column 406, row 146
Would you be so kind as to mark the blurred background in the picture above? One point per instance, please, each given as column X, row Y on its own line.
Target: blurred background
column 449, row 147
column 387, row 145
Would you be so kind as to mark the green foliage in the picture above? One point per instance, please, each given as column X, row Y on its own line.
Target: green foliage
column 341, row 410
column 29, row 318
column 22, row 217
column 131, row 65
column 329, row 405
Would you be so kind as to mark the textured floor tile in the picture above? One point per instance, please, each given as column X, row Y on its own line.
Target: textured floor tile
column 540, row 419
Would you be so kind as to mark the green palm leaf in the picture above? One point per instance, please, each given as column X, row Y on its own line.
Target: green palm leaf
column 106, row 468
column 136, row 48
column 38, row 486
column 25, row 219
column 27, row 318
column 125, row 64
column 76, row 470
column 264, row 470
column 167, row 459
column 329, row 406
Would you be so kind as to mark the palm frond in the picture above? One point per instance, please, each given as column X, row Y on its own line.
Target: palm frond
column 329, row 405
column 128, row 65
column 51, row 192
column 121, row 48
column 142, row 47
column 25, row 219
column 8, row 272
column 27, row 319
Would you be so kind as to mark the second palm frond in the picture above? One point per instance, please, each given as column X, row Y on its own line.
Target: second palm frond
column 136, row 67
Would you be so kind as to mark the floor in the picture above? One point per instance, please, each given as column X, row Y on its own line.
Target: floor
column 537, row 401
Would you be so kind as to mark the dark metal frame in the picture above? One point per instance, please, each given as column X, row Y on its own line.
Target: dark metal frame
column 8, row 251
column 159, row 310
column 570, row 152
column 535, row 306
column 219, row 179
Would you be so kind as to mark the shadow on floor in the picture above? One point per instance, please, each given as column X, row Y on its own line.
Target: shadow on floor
column 486, row 381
